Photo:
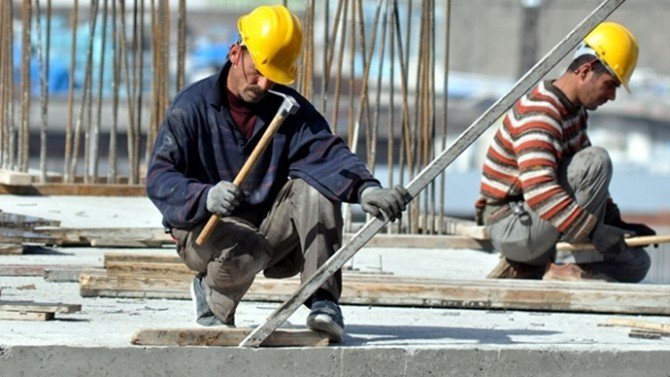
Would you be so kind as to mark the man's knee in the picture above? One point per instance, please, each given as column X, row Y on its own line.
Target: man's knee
column 596, row 157
column 637, row 269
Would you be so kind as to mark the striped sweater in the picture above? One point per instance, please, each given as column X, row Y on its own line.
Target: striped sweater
column 541, row 130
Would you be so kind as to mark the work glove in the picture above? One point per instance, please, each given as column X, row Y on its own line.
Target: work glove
column 223, row 198
column 609, row 239
column 389, row 202
column 613, row 217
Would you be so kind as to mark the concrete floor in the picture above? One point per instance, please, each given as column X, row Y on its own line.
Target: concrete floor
column 384, row 341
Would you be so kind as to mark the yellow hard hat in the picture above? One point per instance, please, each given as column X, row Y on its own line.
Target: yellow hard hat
column 273, row 37
column 616, row 47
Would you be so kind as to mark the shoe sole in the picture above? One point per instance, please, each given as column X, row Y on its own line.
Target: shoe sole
column 325, row 324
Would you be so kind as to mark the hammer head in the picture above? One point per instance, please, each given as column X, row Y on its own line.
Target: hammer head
column 289, row 105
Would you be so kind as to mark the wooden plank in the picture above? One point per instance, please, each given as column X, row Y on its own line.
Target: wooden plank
column 141, row 258
column 13, row 220
column 42, row 307
column 24, row 269
column 395, row 291
column 466, row 228
column 14, row 178
column 67, row 274
column 170, row 269
column 84, row 189
column 11, row 248
column 26, row 316
column 644, row 334
column 9, row 235
column 118, row 237
column 638, row 324
column 226, row 337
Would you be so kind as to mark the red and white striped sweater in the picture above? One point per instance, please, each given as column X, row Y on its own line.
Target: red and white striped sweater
column 542, row 128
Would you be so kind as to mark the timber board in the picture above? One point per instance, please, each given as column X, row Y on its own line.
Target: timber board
column 46, row 307
column 226, row 337
column 396, row 291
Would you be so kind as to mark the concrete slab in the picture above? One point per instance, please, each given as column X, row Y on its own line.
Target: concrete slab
column 384, row 341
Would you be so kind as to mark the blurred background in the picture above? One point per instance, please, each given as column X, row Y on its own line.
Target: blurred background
column 85, row 85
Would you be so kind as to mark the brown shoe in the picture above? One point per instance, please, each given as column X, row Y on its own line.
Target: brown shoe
column 507, row 269
column 574, row 272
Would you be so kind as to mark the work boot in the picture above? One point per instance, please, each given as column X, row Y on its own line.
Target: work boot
column 326, row 317
column 507, row 269
column 574, row 272
column 203, row 314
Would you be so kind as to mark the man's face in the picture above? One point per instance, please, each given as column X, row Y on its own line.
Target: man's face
column 597, row 88
column 244, row 80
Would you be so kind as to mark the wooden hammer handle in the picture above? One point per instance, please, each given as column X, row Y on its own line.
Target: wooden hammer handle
column 246, row 168
column 630, row 242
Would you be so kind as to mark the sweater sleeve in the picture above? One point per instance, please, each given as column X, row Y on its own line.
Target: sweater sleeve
column 535, row 144
column 180, row 199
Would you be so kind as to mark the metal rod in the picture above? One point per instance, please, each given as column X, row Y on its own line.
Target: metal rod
column 70, row 98
column 95, row 136
column 372, row 227
column 445, row 112
column 338, row 77
column 24, row 131
column 113, row 131
column 87, row 87
column 44, row 76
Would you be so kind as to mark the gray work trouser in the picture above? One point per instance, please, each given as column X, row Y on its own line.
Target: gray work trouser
column 299, row 233
column 526, row 238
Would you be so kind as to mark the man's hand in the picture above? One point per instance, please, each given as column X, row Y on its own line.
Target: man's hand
column 639, row 230
column 613, row 217
column 390, row 202
column 609, row 239
column 223, row 198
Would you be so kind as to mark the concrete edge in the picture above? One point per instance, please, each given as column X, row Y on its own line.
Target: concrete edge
column 333, row 361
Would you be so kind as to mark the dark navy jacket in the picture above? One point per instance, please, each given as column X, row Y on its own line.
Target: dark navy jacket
column 198, row 145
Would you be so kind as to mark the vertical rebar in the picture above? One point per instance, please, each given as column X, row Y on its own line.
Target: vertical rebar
column 95, row 134
column 328, row 56
column 139, row 84
column 43, row 63
column 181, row 44
column 113, row 130
column 132, row 163
column 326, row 48
column 380, row 75
column 24, row 131
column 445, row 112
column 391, row 110
column 352, row 72
column 338, row 77
column 70, row 98
column 6, row 84
column 84, row 105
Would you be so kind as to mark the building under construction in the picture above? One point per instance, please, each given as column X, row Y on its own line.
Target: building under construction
column 92, row 286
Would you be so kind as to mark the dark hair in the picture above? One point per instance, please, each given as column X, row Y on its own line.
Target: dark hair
column 596, row 65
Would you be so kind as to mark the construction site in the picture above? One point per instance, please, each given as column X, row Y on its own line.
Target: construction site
column 91, row 283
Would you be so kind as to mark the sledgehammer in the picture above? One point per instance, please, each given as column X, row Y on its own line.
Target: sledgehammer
column 288, row 106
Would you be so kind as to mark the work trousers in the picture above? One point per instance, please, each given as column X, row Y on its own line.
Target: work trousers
column 523, row 236
column 299, row 233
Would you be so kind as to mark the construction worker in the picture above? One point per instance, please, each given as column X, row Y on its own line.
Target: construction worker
column 543, row 181
column 285, row 218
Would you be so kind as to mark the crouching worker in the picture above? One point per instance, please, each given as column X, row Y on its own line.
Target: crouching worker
column 544, row 182
column 285, row 217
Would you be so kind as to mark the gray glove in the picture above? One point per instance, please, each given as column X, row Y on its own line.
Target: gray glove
column 609, row 239
column 223, row 198
column 391, row 202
